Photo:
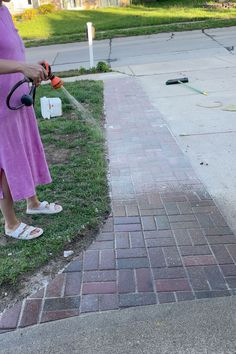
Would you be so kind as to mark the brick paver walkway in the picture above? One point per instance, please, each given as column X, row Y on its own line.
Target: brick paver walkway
column 166, row 240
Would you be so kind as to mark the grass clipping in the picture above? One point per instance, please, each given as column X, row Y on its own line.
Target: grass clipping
column 76, row 158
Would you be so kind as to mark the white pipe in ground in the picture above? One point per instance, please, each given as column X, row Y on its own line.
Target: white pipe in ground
column 90, row 41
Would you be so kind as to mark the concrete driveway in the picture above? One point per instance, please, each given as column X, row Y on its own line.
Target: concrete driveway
column 203, row 128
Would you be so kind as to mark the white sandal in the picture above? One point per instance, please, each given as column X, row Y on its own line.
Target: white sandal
column 45, row 208
column 24, row 232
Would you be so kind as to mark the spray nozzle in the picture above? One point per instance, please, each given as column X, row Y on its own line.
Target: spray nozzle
column 56, row 81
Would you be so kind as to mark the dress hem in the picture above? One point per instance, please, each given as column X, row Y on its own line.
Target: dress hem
column 28, row 195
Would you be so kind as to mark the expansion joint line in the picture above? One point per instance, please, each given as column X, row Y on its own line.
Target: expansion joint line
column 229, row 49
column 109, row 54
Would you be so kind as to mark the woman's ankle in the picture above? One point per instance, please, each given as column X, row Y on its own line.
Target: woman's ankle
column 12, row 225
column 33, row 205
column 33, row 202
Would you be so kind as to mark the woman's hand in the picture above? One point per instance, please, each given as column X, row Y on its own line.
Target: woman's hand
column 34, row 72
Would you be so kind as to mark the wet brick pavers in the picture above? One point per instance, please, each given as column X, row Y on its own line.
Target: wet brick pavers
column 166, row 240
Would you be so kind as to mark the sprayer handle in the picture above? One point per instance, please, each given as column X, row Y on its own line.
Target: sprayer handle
column 47, row 67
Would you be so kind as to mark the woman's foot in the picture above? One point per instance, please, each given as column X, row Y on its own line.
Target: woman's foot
column 21, row 231
column 44, row 208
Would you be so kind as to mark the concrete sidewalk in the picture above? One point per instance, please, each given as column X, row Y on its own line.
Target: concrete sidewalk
column 202, row 327
column 139, row 50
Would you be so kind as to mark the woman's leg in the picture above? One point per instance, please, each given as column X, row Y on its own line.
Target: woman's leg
column 33, row 202
column 7, row 205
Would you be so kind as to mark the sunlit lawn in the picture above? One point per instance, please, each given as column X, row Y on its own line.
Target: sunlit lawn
column 73, row 23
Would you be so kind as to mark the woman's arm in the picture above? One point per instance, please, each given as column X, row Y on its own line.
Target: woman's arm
column 33, row 71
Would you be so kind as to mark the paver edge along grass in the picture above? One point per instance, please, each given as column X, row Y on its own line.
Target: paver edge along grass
column 163, row 16
column 78, row 167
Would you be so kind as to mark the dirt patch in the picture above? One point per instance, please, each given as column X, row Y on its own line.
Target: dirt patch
column 56, row 156
column 61, row 155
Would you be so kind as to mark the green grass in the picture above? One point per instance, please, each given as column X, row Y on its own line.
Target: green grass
column 68, row 26
column 76, row 159
column 101, row 67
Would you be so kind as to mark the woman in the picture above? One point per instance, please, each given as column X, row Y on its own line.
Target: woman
column 22, row 160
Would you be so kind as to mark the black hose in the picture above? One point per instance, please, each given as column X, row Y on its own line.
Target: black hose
column 26, row 100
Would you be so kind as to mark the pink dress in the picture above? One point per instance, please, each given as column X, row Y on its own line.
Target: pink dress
column 21, row 152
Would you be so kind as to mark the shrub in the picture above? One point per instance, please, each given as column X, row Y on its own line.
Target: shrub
column 102, row 67
column 29, row 14
column 46, row 9
column 82, row 71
